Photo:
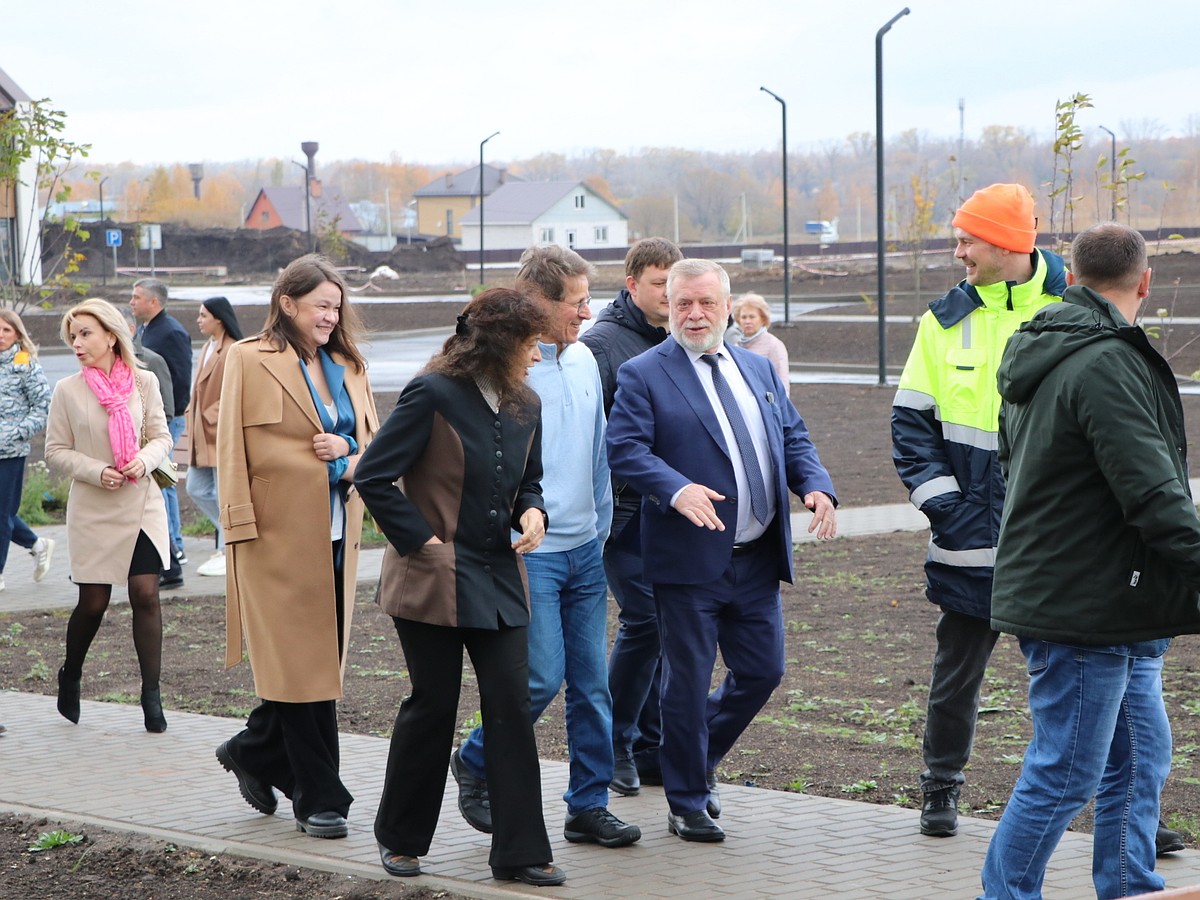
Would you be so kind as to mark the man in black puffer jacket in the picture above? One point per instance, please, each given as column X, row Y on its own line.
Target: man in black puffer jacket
column 635, row 322
column 1097, row 568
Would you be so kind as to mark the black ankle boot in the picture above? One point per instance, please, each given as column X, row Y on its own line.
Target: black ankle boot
column 152, row 709
column 68, row 696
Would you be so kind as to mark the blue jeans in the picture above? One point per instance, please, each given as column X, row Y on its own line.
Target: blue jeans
column 174, row 526
column 202, row 488
column 1099, row 728
column 567, row 637
column 12, row 529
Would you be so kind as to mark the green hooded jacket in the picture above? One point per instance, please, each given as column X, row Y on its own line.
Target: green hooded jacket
column 1100, row 540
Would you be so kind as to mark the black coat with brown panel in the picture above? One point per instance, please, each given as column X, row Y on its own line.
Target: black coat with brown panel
column 466, row 475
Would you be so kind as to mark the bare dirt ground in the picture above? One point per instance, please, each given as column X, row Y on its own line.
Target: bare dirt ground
column 846, row 722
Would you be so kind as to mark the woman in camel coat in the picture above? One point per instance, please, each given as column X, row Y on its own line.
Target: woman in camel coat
column 292, row 531
column 116, row 517
column 217, row 322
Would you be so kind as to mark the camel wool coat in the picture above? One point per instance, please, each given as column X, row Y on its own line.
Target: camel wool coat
column 103, row 525
column 274, row 496
column 201, row 415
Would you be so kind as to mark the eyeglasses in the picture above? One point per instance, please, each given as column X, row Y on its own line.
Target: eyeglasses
column 585, row 303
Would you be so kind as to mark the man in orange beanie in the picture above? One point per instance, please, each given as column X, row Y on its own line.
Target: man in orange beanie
column 944, row 439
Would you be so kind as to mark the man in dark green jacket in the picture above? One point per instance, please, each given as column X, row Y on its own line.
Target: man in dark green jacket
column 1097, row 569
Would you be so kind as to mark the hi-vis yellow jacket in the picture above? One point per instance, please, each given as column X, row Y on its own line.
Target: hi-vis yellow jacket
column 945, row 421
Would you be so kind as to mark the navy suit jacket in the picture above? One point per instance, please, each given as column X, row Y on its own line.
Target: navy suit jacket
column 664, row 435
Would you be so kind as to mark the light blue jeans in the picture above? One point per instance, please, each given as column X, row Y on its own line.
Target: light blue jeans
column 567, row 640
column 176, row 425
column 202, row 488
column 1099, row 728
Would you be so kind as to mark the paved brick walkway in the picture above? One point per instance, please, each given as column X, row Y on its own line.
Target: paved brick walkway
column 109, row 772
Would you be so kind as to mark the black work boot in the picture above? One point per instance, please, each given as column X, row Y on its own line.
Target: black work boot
column 939, row 812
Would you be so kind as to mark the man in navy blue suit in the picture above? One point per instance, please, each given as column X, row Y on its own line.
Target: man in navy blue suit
column 706, row 433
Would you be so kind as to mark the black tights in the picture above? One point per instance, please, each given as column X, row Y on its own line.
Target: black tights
column 147, row 626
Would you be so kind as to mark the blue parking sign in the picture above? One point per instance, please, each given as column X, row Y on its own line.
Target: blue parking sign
column 112, row 237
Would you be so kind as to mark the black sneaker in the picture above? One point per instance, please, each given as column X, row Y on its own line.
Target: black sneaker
column 599, row 826
column 473, row 801
column 939, row 812
column 172, row 578
column 180, row 556
column 1167, row 840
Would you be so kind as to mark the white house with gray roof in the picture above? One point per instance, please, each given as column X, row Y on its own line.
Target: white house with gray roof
column 568, row 213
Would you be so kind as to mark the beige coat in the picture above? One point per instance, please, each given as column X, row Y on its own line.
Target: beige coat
column 103, row 525
column 201, row 415
column 274, row 496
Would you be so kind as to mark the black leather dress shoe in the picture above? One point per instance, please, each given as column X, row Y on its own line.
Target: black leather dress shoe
column 625, row 779
column 538, row 876
column 324, row 825
column 397, row 864
column 695, row 826
column 713, row 806
column 254, row 790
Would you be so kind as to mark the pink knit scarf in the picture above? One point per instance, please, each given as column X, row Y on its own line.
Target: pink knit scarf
column 113, row 390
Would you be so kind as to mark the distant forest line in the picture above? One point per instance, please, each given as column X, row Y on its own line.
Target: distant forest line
column 731, row 196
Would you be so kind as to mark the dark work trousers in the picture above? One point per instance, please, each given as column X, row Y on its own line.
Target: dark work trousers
column 294, row 746
column 424, row 735
column 741, row 614
column 633, row 665
column 964, row 646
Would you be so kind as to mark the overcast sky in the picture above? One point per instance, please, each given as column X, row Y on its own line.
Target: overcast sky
column 426, row 81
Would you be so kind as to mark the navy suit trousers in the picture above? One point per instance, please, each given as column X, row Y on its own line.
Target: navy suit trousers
column 741, row 614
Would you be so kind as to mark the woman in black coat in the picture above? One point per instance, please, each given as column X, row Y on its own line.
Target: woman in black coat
column 465, row 436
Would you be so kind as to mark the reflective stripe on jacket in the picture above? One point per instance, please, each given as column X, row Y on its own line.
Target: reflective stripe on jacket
column 945, row 423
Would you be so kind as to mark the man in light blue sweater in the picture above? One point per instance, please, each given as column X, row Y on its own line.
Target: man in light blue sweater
column 567, row 586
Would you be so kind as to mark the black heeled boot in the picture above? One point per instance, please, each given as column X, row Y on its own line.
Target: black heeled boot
column 68, row 696
column 156, row 722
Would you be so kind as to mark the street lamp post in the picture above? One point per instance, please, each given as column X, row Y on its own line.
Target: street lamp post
column 787, row 278
column 103, row 261
column 879, row 195
column 1112, row 178
column 307, row 204
column 481, row 193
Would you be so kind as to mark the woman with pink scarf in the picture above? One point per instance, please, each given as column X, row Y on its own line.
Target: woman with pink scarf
column 108, row 433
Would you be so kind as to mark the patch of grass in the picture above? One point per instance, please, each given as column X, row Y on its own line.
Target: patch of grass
column 860, row 787
column 471, row 724
column 43, row 495
column 39, row 671
column 11, row 636
column 201, row 526
column 118, row 697
column 48, row 840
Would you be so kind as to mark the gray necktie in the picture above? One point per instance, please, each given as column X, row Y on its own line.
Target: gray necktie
column 741, row 434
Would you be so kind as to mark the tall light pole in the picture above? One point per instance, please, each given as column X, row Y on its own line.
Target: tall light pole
column 879, row 195
column 307, row 204
column 481, row 193
column 787, row 278
column 1112, row 178
column 309, row 149
column 103, row 261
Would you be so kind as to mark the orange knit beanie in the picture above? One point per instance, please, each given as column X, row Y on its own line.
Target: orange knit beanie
column 1001, row 214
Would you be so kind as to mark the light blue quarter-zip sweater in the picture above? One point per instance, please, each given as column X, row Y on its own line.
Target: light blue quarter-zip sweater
column 575, row 480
